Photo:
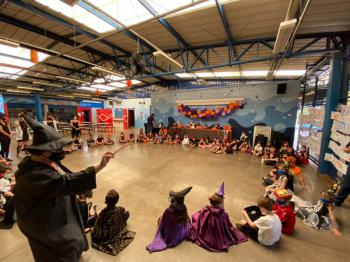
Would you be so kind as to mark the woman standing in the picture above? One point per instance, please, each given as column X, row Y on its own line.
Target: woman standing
column 22, row 134
column 5, row 137
column 76, row 130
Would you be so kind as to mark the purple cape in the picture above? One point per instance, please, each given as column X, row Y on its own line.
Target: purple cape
column 212, row 229
column 169, row 233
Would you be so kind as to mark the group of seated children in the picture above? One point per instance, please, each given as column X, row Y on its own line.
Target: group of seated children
column 209, row 228
column 99, row 141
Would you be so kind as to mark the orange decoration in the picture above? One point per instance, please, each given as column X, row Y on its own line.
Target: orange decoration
column 129, row 82
column 34, row 58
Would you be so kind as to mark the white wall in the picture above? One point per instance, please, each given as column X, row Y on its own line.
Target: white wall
column 141, row 106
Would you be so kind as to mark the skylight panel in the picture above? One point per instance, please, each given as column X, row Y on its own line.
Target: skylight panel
column 129, row 12
column 205, row 74
column 227, row 74
column 255, row 73
column 79, row 14
column 117, row 84
column 103, row 87
column 290, row 73
column 92, row 89
column 184, row 75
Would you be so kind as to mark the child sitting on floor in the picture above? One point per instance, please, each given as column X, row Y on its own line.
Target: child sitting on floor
column 91, row 141
column 244, row 147
column 109, row 140
column 87, row 211
column 122, row 138
column 186, row 141
column 258, row 150
column 193, row 142
column 271, row 158
column 100, row 140
column 284, row 210
column 78, row 143
column 131, row 137
column 211, row 226
column 110, row 233
column 295, row 171
column 157, row 139
column 169, row 140
column 260, row 223
column 201, row 143
column 177, row 140
column 217, row 148
column 141, row 136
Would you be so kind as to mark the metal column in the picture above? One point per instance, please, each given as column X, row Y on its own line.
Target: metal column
column 38, row 110
column 333, row 92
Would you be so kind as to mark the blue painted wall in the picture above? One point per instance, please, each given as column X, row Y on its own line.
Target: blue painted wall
column 263, row 106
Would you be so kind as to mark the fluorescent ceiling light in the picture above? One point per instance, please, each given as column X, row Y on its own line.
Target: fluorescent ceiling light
column 17, row 91
column 30, row 88
column 117, row 84
column 9, row 43
column 205, row 74
column 105, row 70
column 227, row 74
column 92, row 89
column 254, row 73
column 46, row 84
column 284, row 33
column 73, row 80
column 166, row 58
column 290, row 73
column 185, row 75
column 103, row 87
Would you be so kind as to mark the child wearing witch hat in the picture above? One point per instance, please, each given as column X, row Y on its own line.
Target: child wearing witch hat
column 174, row 224
column 211, row 226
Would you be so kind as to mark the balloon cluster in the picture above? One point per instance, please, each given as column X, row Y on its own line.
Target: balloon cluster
column 205, row 113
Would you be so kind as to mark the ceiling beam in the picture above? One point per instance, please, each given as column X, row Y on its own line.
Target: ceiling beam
column 231, row 49
column 169, row 27
column 50, row 35
column 63, row 22
column 106, row 18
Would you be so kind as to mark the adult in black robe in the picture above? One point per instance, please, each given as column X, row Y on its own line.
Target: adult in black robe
column 45, row 201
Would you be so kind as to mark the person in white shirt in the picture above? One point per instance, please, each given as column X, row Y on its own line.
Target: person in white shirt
column 186, row 141
column 260, row 223
column 258, row 150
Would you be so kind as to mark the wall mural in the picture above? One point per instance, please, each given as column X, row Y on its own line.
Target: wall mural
column 262, row 107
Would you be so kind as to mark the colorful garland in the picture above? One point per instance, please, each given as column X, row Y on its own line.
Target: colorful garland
column 209, row 113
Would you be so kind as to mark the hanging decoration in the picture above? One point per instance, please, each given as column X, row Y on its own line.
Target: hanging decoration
column 129, row 82
column 34, row 58
column 98, row 93
column 205, row 113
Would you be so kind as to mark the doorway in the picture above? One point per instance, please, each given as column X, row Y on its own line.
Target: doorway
column 131, row 118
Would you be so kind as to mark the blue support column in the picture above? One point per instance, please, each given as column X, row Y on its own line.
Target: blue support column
column 38, row 109
column 333, row 92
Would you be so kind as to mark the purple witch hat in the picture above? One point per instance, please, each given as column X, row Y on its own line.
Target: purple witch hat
column 221, row 191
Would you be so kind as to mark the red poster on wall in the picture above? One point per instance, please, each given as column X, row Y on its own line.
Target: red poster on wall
column 105, row 116
column 125, row 119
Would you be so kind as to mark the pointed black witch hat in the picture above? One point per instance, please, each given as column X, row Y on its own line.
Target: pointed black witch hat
column 46, row 138
column 177, row 198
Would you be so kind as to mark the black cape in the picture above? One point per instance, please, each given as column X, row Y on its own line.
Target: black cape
column 47, row 210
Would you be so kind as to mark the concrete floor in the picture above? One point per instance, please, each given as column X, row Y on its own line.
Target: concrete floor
column 143, row 176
